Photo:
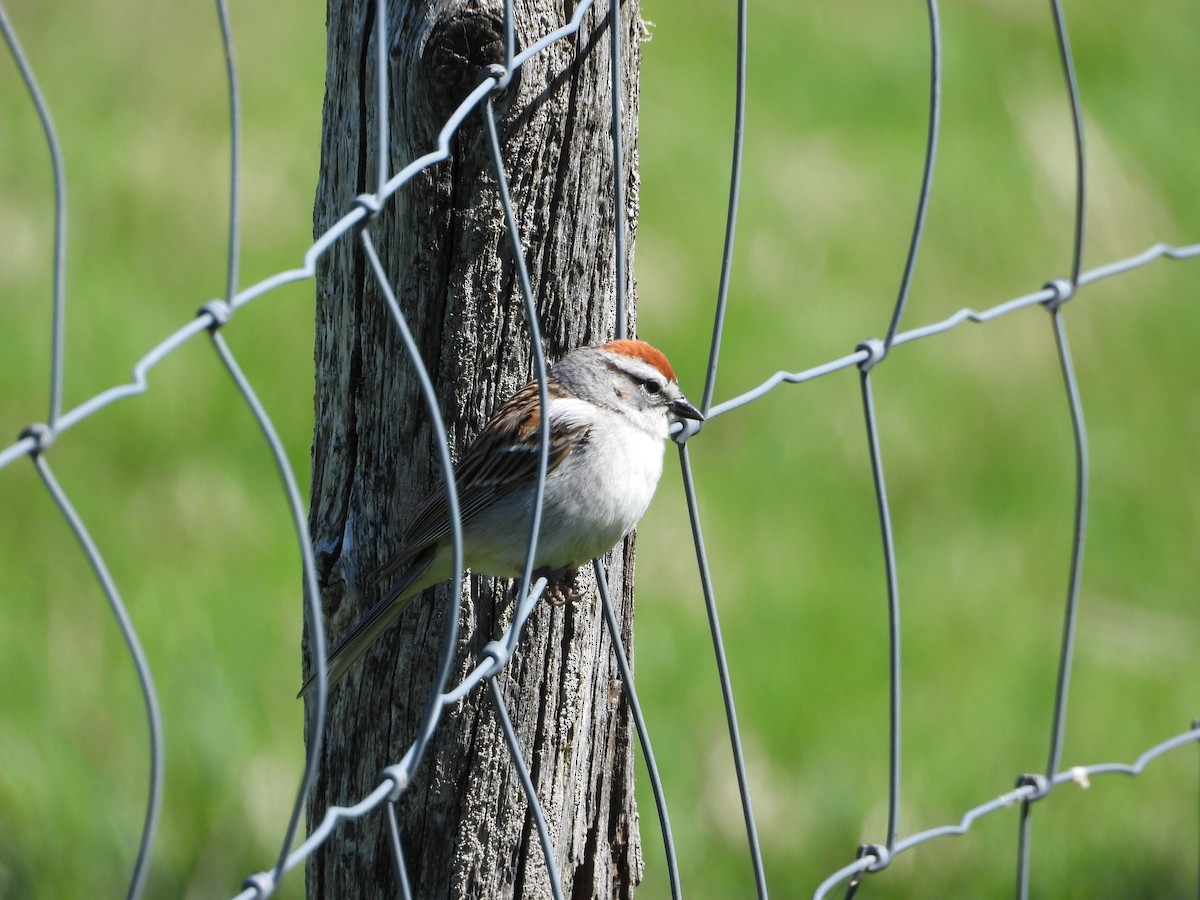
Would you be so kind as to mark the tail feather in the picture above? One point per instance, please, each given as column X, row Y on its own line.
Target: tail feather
column 377, row 619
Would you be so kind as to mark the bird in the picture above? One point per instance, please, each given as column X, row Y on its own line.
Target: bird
column 611, row 407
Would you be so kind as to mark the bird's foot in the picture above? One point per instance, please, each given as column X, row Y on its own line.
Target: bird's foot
column 561, row 586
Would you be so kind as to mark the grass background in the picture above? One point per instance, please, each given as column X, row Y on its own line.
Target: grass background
column 180, row 494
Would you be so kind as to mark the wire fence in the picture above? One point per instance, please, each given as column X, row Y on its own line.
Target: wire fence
column 37, row 440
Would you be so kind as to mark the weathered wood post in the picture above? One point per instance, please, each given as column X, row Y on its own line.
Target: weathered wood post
column 464, row 822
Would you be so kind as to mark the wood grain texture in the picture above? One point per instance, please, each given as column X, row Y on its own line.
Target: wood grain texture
column 465, row 825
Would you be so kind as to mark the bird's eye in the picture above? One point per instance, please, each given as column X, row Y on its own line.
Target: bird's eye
column 651, row 386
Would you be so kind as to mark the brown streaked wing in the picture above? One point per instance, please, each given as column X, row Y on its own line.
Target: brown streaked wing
column 502, row 458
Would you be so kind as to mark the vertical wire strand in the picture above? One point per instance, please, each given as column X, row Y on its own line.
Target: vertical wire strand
column 383, row 120
column 141, row 867
column 643, row 733
column 535, row 523
column 434, row 705
column 735, row 184
column 311, row 588
column 616, row 83
column 235, row 151
column 382, row 150
column 1196, row 725
column 535, row 340
column 1022, row 891
column 59, row 173
column 876, row 353
column 714, row 624
column 397, row 849
column 1078, row 537
column 535, row 806
column 1078, row 426
column 931, row 140
column 510, row 44
column 291, row 488
column 893, row 595
column 1079, row 436
column 710, row 380
column 1068, row 65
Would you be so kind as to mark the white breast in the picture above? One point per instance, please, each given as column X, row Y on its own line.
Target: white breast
column 593, row 499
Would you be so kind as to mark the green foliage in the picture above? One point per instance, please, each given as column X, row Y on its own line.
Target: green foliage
column 180, row 494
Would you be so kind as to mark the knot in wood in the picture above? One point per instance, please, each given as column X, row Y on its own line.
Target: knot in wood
column 457, row 55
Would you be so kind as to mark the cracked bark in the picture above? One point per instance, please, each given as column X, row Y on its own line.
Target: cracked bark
column 465, row 826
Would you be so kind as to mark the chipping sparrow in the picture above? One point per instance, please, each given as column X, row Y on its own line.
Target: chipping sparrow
column 610, row 408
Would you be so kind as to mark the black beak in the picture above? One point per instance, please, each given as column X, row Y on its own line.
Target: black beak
column 684, row 410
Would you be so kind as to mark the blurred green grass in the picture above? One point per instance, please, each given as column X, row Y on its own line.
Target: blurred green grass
column 184, row 503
